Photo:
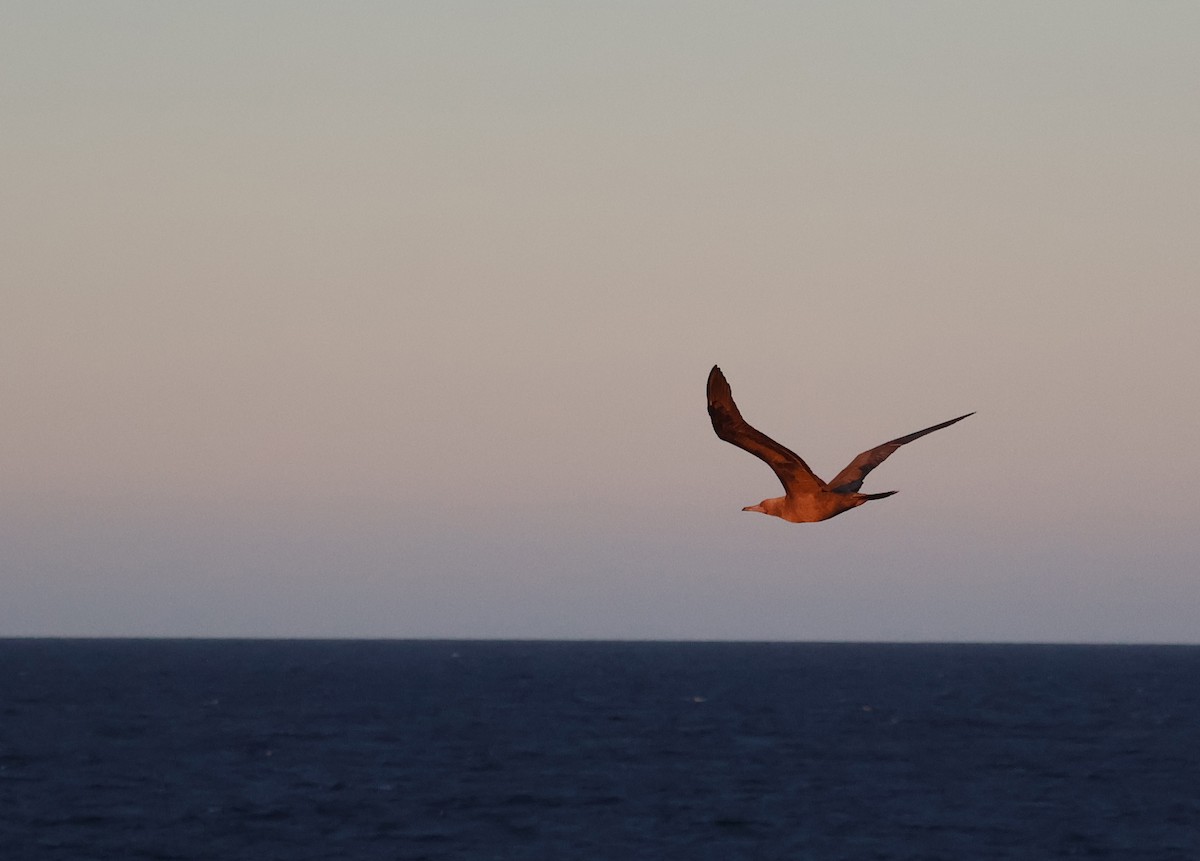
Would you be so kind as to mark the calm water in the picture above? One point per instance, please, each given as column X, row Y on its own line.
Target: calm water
column 164, row 749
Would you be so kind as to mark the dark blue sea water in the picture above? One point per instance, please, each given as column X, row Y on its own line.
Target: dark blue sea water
column 205, row 749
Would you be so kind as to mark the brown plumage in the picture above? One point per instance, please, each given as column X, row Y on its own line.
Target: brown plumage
column 806, row 498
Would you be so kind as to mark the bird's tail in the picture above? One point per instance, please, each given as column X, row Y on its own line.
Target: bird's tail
column 878, row 495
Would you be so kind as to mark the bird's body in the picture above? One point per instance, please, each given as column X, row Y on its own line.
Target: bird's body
column 806, row 499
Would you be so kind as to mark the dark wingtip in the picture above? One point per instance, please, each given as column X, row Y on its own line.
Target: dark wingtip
column 715, row 377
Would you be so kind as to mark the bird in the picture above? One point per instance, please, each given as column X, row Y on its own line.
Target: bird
column 806, row 499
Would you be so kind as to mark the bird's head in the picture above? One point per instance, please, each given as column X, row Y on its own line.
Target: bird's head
column 767, row 506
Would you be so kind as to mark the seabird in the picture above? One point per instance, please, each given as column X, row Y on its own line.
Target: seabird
column 806, row 498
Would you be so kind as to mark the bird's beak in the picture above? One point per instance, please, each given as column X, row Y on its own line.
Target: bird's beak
column 757, row 508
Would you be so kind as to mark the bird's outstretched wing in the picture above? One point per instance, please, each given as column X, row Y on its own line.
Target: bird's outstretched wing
column 727, row 421
column 850, row 479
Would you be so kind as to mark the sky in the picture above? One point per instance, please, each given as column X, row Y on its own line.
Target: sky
column 376, row 319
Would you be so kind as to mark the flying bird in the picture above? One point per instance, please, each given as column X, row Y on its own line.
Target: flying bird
column 806, row 498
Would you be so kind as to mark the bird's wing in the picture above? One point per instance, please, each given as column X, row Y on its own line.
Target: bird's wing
column 850, row 479
column 727, row 421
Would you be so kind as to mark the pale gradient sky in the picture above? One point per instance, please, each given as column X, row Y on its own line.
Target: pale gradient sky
column 393, row 319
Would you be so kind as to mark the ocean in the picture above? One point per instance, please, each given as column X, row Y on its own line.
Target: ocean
column 294, row 749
